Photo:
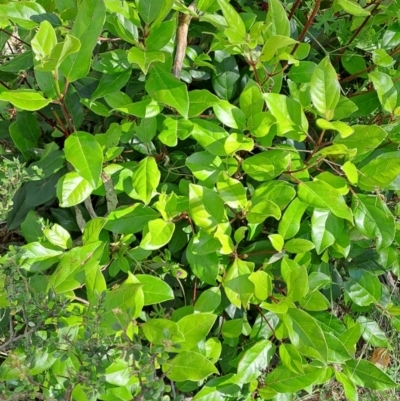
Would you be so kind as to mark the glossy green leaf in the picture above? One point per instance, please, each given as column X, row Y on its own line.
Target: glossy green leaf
column 231, row 191
column 366, row 374
column 305, row 334
column 374, row 220
column 85, row 154
column 25, row 99
column 323, row 196
column 189, row 366
column 154, row 289
column 299, row 245
column 163, row 87
column 144, row 59
column 208, row 301
column 157, row 234
column 254, row 361
column 325, row 89
column 251, row 101
column 350, row 388
column 363, row 287
column 277, row 21
column 44, row 40
column 73, row 189
column 229, row 114
column 58, row 236
column 384, row 86
column 87, row 28
column 145, row 180
column 290, row 223
column 378, row 173
column 291, row 358
column 226, row 75
column 200, row 100
column 372, row 333
column 353, row 8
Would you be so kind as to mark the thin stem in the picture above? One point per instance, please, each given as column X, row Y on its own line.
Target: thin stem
column 307, row 25
column 15, row 37
column 294, row 8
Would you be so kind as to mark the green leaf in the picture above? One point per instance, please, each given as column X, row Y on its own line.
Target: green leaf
column 195, row 328
column 85, row 154
column 372, row 333
column 157, row 234
column 283, row 380
column 365, row 139
column 251, row 100
column 262, row 284
column 325, row 228
column 363, row 287
column 237, row 28
column 149, row 9
column 296, row 278
column 21, row 13
column 350, row 388
column 305, row 334
column 70, row 272
column 231, row 191
column 265, row 166
column 322, row 196
column 36, row 256
column 87, row 28
column 154, row 289
column 273, row 44
column 210, row 136
column 161, row 35
column 353, row 8
column 299, row 245
column 254, row 361
column 200, row 100
column 44, row 40
column 205, row 166
column 159, row 330
column 163, row 87
column 189, row 366
column 290, row 222
column 58, row 236
column 144, row 109
column 25, row 99
column 374, row 220
column 110, row 83
column 277, row 20
column 302, row 72
column 325, row 89
column 228, row 114
column 237, row 142
column 262, row 210
column 208, row 301
column 226, row 75
column 237, row 284
column 144, row 58
column 145, row 180
column 123, row 303
column 351, row 172
column 291, row 358
column 385, row 89
column 378, row 173
column 72, row 189
column 343, row 129
column 366, row 374
column 206, row 208
column 130, row 219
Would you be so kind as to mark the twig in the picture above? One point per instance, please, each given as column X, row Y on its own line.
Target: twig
column 181, row 40
column 294, row 8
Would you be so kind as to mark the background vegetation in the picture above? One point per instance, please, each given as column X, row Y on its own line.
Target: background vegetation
column 199, row 201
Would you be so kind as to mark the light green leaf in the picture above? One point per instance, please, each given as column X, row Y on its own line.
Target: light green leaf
column 373, row 219
column 154, row 289
column 205, row 166
column 237, row 284
column 159, row 330
column 273, row 44
column 195, row 328
column 372, row 333
column 144, row 58
column 163, row 87
column 343, row 129
column 321, row 195
column 150, row 9
column 59, row 236
column 72, row 189
column 236, row 32
column 144, row 109
column 325, row 228
column 353, row 8
column 262, row 210
column 291, row 358
column 200, row 100
column 350, row 388
column 277, row 20
column 262, row 284
column 290, row 222
column 378, row 173
column 188, row 366
column 236, row 142
column 363, row 287
column 254, row 361
column 145, row 180
column 385, row 88
column 44, row 40
column 305, row 334
column 351, row 172
column 157, row 234
column 365, row 374
column 250, row 100
column 208, row 301
column 210, row 136
column 325, row 89
column 265, row 166
column 229, row 114
column 87, row 28
column 85, row 154
column 299, row 245
column 231, row 191
column 25, row 99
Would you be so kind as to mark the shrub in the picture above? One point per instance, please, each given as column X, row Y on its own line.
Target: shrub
column 211, row 212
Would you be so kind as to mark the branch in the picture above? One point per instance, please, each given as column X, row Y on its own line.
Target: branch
column 181, row 39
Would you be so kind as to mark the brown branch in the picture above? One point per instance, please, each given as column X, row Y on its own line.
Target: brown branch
column 293, row 9
column 15, row 37
column 181, row 40
column 307, row 25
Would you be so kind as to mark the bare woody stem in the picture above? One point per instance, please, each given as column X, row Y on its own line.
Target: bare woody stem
column 181, row 39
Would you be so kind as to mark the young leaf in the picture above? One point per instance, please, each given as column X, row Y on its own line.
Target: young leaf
column 157, row 234
column 325, row 89
column 85, row 154
column 25, row 99
column 145, row 180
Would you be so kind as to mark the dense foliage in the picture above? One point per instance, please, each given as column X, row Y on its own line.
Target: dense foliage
column 211, row 220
